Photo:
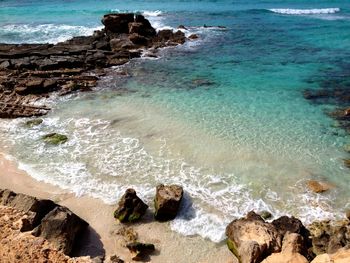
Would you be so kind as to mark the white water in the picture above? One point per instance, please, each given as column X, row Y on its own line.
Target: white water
column 289, row 11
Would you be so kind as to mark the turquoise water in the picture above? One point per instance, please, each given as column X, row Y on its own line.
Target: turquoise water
column 223, row 116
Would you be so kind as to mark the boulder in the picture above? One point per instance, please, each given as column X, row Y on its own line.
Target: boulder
column 167, row 201
column 130, row 207
column 36, row 208
column 61, row 228
column 328, row 237
column 291, row 251
column 251, row 239
column 341, row 256
column 117, row 23
column 55, row 138
column 318, row 187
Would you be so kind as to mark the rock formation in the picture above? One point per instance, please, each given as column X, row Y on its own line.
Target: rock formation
column 167, row 201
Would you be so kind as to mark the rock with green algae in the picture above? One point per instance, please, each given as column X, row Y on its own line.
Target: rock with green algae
column 130, row 207
column 34, row 122
column 55, row 138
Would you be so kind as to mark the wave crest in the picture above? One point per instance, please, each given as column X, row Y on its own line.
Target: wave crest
column 288, row 11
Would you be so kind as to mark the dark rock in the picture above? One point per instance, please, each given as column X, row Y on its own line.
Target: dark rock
column 36, row 208
column 141, row 250
column 118, row 23
column 116, row 259
column 130, row 207
column 182, row 27
column 55, row 138
column 142, row 27
column 193, row 36
column 251, row 240
column 138, row 39
column 347, row 163
column 328, row 237
column 122, row 43
column 60, row 227
column 167, row 201
column 265, row 215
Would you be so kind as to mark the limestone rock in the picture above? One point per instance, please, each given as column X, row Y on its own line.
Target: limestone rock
column 61, row 227
column 36, row 208
column 341, row 256
column 251, row 239
column 167, row 201
column 130, row 207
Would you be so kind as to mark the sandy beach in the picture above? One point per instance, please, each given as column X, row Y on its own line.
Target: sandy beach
column 103, row 235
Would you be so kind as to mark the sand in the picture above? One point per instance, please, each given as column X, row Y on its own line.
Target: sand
column 108, row 236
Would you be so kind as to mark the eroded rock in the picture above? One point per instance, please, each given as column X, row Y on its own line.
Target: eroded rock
column 167, row 201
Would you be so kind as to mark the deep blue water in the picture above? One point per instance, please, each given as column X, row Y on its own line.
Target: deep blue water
column 245, row 138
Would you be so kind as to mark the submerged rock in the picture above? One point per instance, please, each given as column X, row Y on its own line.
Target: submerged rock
column 251, row 239
column 347, row 163
column 61, row 227
column 55, row 138
column 130, row 207
column 141, row 250
column 167, row 201
column 34, row 122
column 318, row 187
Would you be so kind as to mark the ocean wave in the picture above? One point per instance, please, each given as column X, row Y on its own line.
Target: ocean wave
column 289, row 11
column 44, row 33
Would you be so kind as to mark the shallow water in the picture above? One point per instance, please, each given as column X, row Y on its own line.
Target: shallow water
column 223, row 116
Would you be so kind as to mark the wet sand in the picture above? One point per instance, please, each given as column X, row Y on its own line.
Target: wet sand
column 104, row 236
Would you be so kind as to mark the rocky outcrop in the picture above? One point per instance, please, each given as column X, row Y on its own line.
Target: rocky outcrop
column 167, row 201
column 30, row 71
column 328, row 237
column 35, row 208
column 50, row 221
column 61, row 227
column 19, row 247
column 130, row 207
column 292, row 247
column 251, row 239
column 341, row 256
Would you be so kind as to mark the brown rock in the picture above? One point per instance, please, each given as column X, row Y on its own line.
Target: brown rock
column 167, row 201
column 251, row 239
column 318, row 187
column 130, row 207
column 117, row 23
column 341, row 256
column 193, row 36
column 61, row 227
column 347, row 163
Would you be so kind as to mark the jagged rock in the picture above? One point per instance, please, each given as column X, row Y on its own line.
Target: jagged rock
column 34, row 122
column 251, row 239
column 130, row 207
column 60, row 227
column 118, row 23
column 292, row 247
column 140, row 249
column 341, row 256
column 167, row 201
column 55, row 138
column 318, row 187
column 36, row 208
column 328, row 237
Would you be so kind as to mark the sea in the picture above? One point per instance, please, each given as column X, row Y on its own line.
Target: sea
column 224, row 116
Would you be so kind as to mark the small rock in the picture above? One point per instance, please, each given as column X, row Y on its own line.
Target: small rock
column 318, row 187
column 35, row 122
column 182, row 27
column 265, row 215
column 167, row 201
column 130, row 207
column 55, row 138
column 193, row 36
column 141, row 250
column 116, row 259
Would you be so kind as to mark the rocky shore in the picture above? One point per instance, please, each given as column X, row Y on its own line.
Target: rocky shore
column 29, row 72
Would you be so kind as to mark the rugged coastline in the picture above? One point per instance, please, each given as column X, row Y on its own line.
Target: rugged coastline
column 28, row 81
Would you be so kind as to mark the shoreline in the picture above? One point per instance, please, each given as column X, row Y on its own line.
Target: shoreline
column 169, row 245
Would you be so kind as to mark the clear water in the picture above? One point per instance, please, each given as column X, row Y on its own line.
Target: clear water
column 223, row 116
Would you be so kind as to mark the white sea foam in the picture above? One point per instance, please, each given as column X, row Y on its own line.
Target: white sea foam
column 45, row 33
column 289, row 11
